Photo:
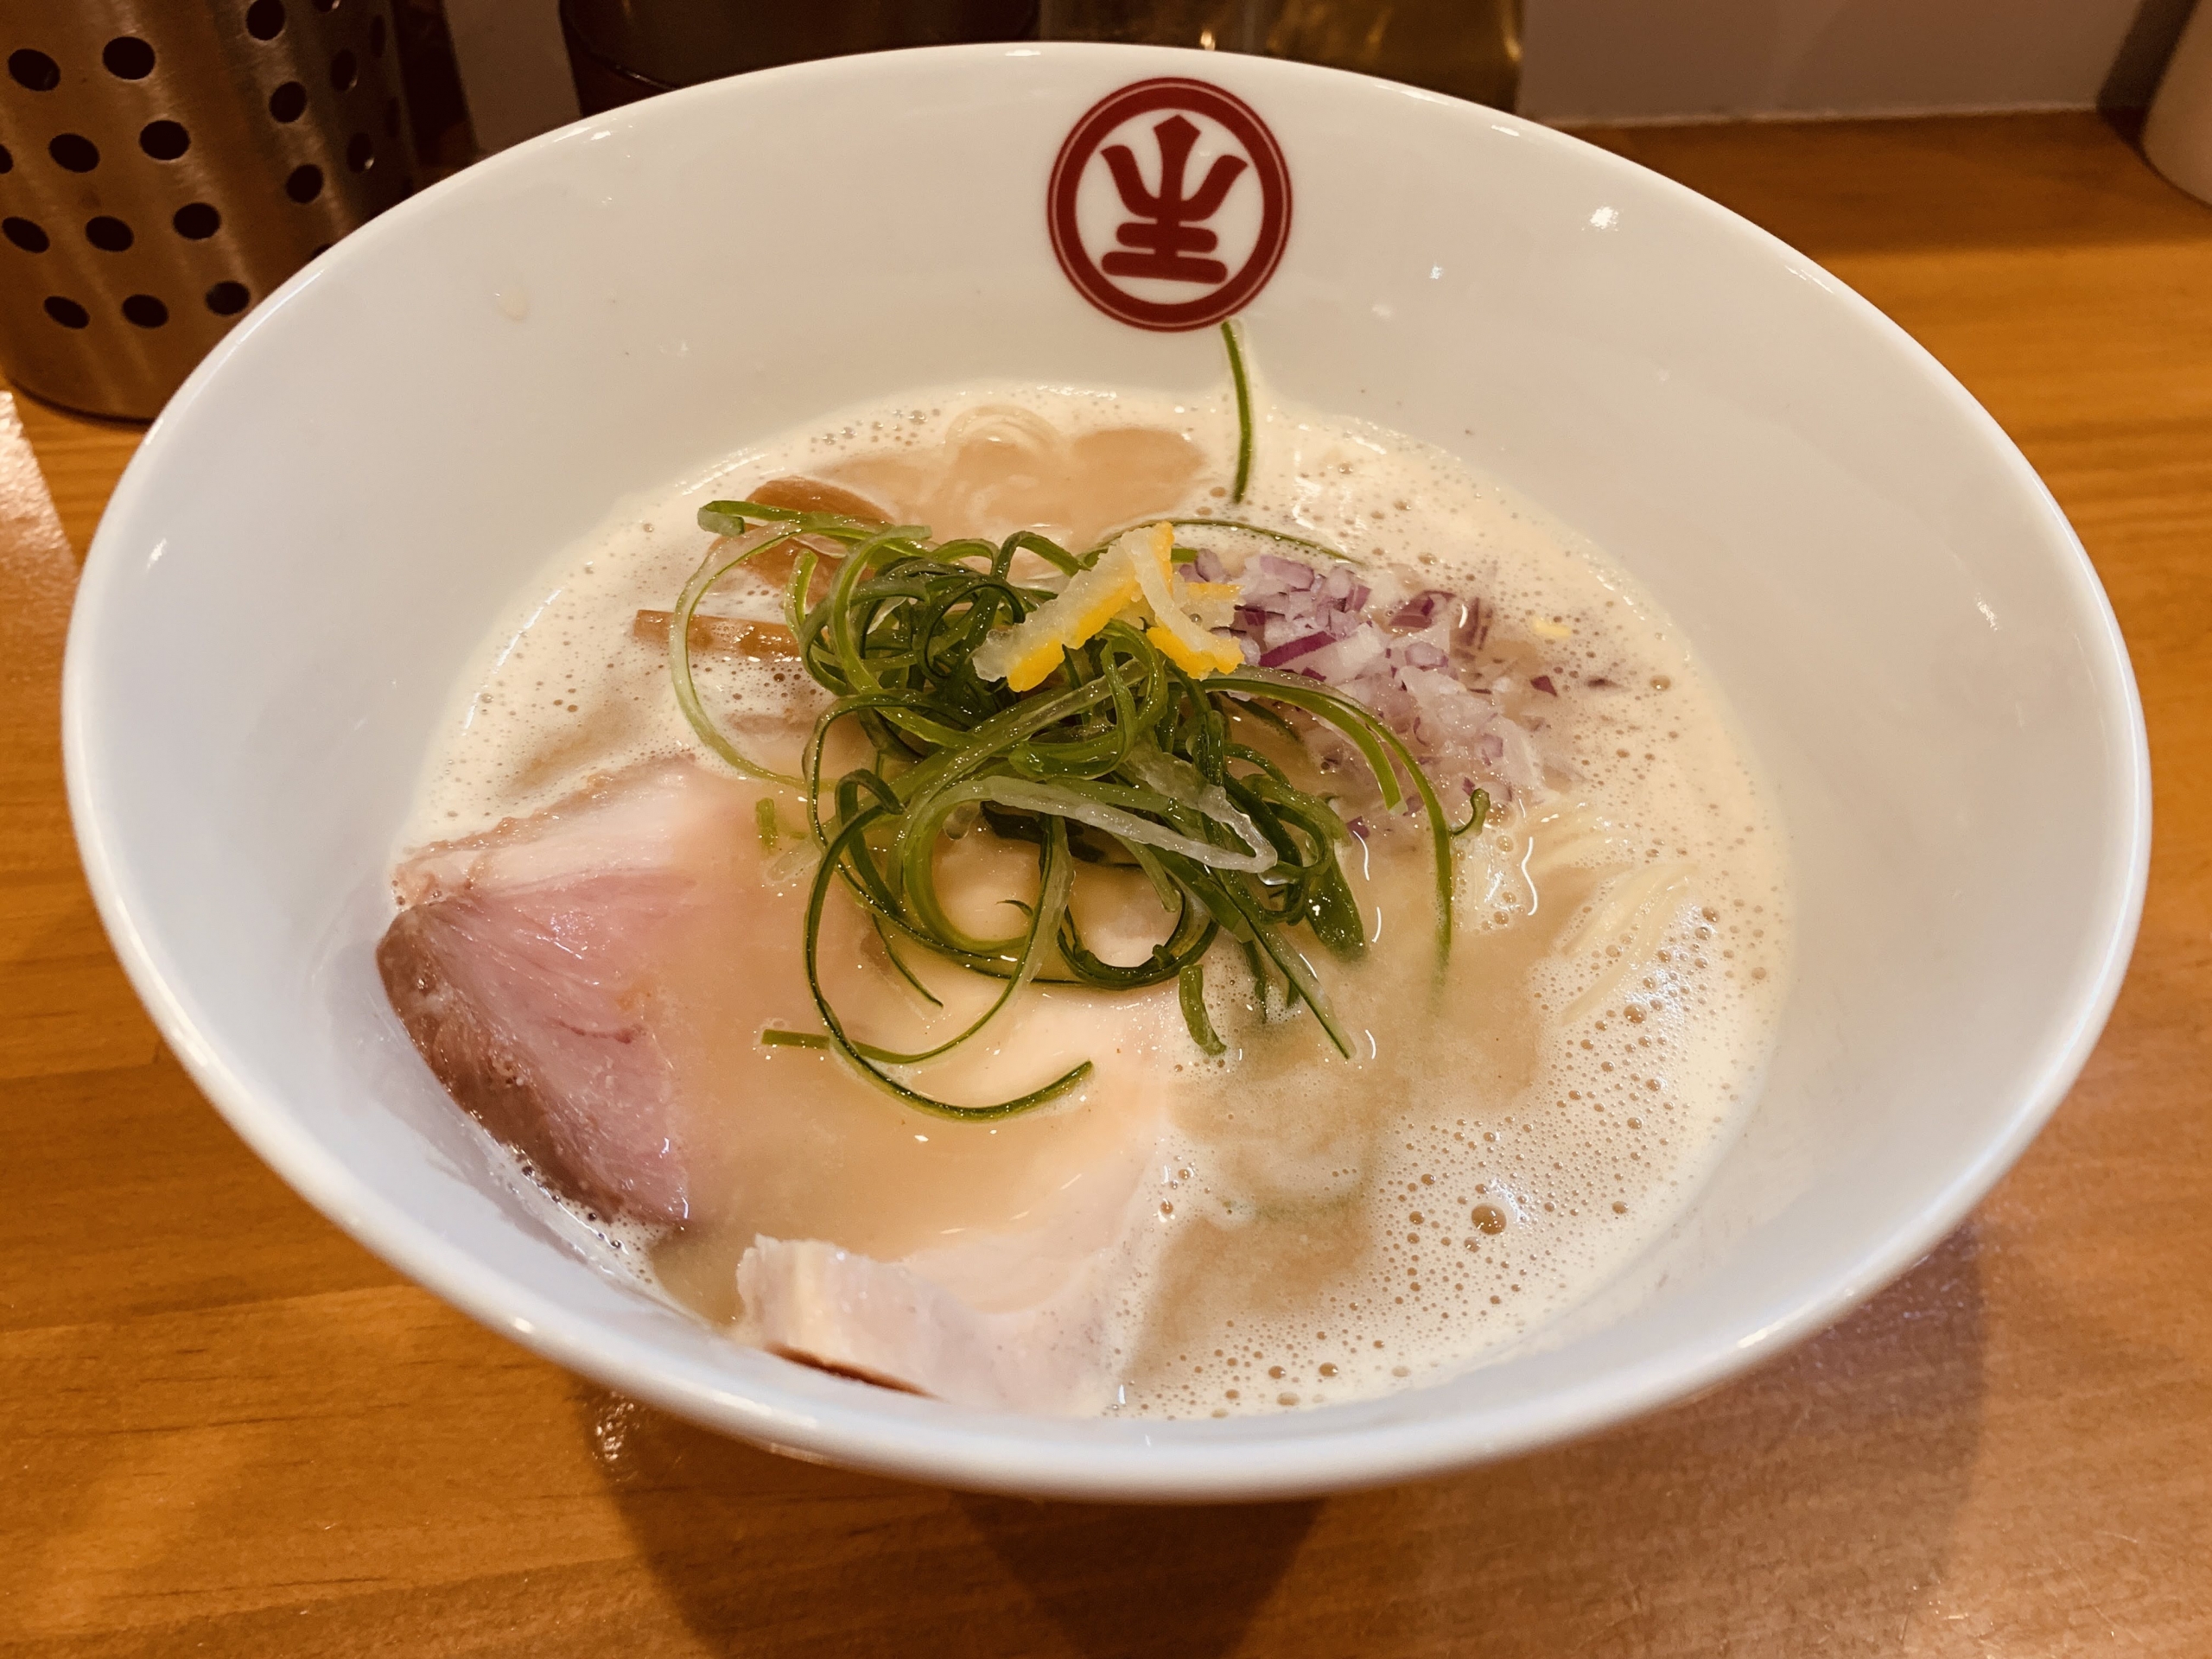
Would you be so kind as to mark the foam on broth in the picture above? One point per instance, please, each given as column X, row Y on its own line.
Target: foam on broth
column 1314, row 1229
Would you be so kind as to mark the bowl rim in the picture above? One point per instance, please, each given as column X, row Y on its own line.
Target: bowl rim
column 1132, row 1460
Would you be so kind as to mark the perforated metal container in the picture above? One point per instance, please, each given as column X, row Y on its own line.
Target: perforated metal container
column 166, row 164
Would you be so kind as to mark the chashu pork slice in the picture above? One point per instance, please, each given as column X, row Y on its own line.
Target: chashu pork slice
column 522, row 965
column 591, row 984
column 937, row 1323
column 1034, row 1315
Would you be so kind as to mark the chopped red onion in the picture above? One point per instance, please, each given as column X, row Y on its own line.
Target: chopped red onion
column 1280, row 575
column 1315, row 623
column 1291, row 652
column 1423, row 609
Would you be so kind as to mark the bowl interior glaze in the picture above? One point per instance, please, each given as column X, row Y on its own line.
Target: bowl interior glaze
column 322, row 525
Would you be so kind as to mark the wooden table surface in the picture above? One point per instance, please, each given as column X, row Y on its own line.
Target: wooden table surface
column 225, row 1428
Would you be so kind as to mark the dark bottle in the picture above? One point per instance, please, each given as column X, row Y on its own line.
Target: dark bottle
column 1469, row 48
column 623, row 50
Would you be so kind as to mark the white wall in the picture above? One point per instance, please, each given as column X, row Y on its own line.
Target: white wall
column 1674, row 59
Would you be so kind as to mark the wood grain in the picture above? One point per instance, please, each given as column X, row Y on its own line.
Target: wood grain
column 228, row 1430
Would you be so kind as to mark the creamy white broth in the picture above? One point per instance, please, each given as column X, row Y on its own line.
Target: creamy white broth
column 1299, row 1229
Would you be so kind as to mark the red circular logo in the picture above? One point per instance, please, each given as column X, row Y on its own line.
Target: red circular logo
column 1170, row 204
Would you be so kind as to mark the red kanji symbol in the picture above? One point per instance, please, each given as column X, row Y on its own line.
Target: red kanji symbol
column 1167, row 238
column 1168, row 226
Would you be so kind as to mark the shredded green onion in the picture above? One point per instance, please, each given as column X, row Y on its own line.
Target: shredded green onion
column 1244, row 412
column 1120, row 757
column 1190, row 991
column 774, row 1036
column 1477, row 814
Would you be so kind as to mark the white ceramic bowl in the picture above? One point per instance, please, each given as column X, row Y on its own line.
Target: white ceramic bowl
column 332, row 509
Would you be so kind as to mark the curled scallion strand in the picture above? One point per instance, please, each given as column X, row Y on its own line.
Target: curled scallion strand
column 716, row 565
column 1385, row 752
column 858, row 1055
